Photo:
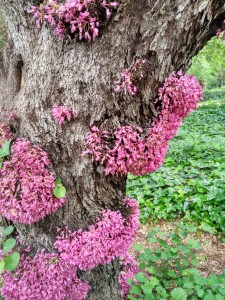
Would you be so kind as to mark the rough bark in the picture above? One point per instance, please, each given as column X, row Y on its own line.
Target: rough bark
column 40, row 71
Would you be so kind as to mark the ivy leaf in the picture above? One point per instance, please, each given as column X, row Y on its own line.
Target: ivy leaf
column 12, row 261
column 147, row 288
column 138, row 247
column 207, row 228
column 179, row 294
column 140, row 277
column 58, row 181
column 218, row 297
column 8, row 245
column 208, row 296
column 136, row 290
column 194, row 262
column 8, row 230
column 154, row 281
column 194, row 244
column 150, row 270
column 200, row 293
column 59, row 190
column 191, row 228
column 5, row 149
column 171, row 273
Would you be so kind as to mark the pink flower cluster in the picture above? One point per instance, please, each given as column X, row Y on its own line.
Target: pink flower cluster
column 129, row 270
column 108, row 238
column 62, row 113
column 178, row 97
column 46, row 277
column 97, row 145
column 132, row 153
column 26, row 190
column 12, row 116
column 128, row 149
column 130, row 77
column 74, row 16
column 54, row 276
column 5, row 133
column 180, row 94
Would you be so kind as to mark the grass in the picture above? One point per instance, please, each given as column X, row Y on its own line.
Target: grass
column 191, row 183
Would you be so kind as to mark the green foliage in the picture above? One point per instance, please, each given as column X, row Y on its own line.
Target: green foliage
column 214, row 94
column 8, row 230
column 12, row 261
column 191, row 183
column 8, row 245
column 4, row 151
column 11, row 257
column 169, row 270
column 59, row 190
column 209, row 65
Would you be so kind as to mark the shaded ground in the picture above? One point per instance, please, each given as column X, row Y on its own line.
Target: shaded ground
column 212, row 248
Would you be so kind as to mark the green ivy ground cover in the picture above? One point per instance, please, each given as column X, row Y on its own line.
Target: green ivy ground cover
column 191, row 183
column 169, row 270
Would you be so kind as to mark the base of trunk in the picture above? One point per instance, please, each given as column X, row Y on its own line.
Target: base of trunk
column 104, row 282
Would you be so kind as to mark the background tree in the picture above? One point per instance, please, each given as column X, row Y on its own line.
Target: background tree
column 209, row 64
column 40, row 71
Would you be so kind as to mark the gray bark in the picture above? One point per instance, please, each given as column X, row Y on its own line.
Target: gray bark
column 40, row 71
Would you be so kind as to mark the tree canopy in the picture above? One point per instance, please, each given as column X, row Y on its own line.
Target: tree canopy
column 209, row 64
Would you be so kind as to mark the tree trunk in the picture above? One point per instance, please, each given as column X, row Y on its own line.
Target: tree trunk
column 40, row 71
